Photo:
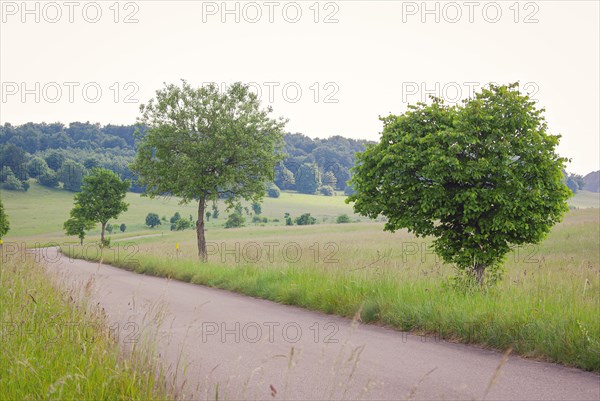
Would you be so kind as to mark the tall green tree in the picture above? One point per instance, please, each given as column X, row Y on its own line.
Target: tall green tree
column 478, row 177
column 308, row 178
column 101, row 198
column 202, row 142
column 71, row 174
column 4, row 223
column 79, row 227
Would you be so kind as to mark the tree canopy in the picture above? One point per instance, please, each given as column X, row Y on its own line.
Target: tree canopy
column 479, row 177
column 203, row 143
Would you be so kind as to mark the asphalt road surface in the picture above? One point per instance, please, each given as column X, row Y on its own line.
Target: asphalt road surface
column 216, row 342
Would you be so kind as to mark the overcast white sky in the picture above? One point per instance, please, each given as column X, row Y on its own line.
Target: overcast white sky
column 330, row 67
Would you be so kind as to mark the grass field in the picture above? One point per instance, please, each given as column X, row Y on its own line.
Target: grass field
column 38, row 214
column 55, row 348
column 546, row 306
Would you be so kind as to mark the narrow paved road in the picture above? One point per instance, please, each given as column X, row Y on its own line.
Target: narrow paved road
column 256, row 349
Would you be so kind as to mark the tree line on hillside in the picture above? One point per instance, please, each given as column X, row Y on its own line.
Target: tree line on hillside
column 57, row 153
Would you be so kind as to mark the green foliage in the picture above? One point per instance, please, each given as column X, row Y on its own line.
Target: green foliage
column 215, row 209
column 55, row 160
column 109, row 228
column 71, row 175
column 235, row 220
column 343, row 218
column 305, row 220
column 122, row 227
column 208, row 216
column 152, row 220
column 9, row 180
column 284, row 178
column 175, row 218
column 478, row 177
column 574, row 181
column 273, row 191
column 36, row 166
column 78, row 227
column 256, row 208
column 203, row 142
column 48, row 179
column 308, row 178
column 101, row 198
column 4, row 223
column 16, row 158
column 327, row 190
column 182, row 224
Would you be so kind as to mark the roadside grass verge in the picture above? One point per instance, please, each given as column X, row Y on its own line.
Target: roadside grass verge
column 55, row 347
column 546, row 307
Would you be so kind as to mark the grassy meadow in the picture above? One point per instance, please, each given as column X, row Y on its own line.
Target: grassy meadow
column 56, row 348
column 545, row 307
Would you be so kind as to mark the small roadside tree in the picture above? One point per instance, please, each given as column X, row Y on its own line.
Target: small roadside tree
column 101, row 198
column 122, row 227
column 78, row 227
column 478, row 177
column 203, row 142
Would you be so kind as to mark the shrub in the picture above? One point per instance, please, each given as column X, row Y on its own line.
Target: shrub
column 183, row 224
column 305, row 220
column 343, row 218
column 235, row 220
column 273, row 191
column 122, row 227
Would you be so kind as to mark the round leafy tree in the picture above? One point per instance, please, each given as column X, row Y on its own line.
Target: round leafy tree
column 479, row 177
column 203, row 143
column 152, row 220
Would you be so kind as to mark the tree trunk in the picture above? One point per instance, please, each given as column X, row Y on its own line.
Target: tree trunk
column 479, row 273
column 102, row 233
column 200, row 230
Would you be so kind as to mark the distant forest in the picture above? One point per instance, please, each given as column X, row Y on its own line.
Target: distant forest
column 59, row 155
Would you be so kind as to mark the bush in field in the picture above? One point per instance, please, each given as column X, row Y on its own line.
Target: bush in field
column 152, row 220
column 479, row 177
column 273, row 191
column 183, row 224
column 305, row 220
column 343, row 218
column 109, row 228
column 122, row 227
column 256, row 208
column 235, row 220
